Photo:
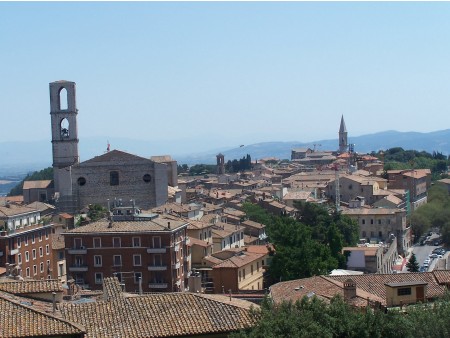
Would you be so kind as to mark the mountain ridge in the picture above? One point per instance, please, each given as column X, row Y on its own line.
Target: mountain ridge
column 34, row 155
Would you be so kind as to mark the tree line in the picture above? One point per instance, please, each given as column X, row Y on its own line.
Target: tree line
column 397, row 158
column 309, row 245
column 315, row 318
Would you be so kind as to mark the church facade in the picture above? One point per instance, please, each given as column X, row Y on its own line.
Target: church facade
column 115, row 175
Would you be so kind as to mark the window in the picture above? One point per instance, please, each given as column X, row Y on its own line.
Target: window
column 113, row 178
column 257, row 266
column 26, row 240
column 33, row 253
column 136, row 241
column 98, row 278
column 403, row 291
column 363, row 221
column 41, row 267
column 240, row 277
column 47, row 250
column 19, row 258
column 117, row 260
column 19, row 242
column 46, row 234
column 243, row 273
column 157, row 260
column 137, row 277
column 380, row 234
column 27, row 256
column 77, row 243
column 364, row 234
column 147, row 178
column 116, row 242
column 41, row 251
column 61, row 255
column 33, row 238
column 251, row 269
column 40, row 236
column 97, row 242
column 379, row 221
column 156, row 242
column 97, row 260
column 137, row 260
column 371, row 221
column 28, row 272
column 34, row 270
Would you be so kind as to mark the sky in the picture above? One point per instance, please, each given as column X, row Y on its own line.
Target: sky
column 206, row 75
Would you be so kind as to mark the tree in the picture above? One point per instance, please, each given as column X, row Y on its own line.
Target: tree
column 96, row 212
column 412, row 265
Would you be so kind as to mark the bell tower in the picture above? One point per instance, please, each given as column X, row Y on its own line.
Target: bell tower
column 63, row 113
column 343, row 145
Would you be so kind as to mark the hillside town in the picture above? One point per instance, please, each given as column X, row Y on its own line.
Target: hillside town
column 121, row 245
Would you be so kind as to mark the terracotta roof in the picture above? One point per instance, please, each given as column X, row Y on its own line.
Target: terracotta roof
column 19, row 320
column 320, row 286
column 43, row 184
column 65, row 215
column 241, row 259
column 157, row 224
column 158, row 315
column 199, row 242
column 297, row 195
column 442, row 276
column 114, row 156
column 253, row 224
column 41, row 206
column 374, row 283
column 30, row 286
column 13, row 210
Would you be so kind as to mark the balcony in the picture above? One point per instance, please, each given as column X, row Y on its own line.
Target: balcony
column 157, row 285
column 157, row 250
column 77, row 251
column 14, row 252
column 157, row 267
column 177, row 247
column 176, row 265
column 78, row 268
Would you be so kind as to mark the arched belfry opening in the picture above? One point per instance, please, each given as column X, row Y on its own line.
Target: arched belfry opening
column 64, row 128
column 63, row 99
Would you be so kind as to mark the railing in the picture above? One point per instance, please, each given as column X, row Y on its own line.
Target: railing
column 157, row 285
column 78, row 268
column 77, row 251
column 157, row 267
column 157, row 250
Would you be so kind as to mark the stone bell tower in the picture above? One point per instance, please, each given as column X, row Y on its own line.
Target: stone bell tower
column 63, row 113
column 343, row 145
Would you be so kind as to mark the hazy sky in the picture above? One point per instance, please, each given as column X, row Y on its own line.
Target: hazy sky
column 225, row 74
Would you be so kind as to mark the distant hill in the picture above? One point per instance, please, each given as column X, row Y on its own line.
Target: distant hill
column 23, row 157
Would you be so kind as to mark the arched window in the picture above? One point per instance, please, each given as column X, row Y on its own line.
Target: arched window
column 64, row 128
column 63, row 102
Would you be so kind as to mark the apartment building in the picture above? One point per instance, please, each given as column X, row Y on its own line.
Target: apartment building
column 147, row 253
column 25, row 242
column 377, row 225
column 417, row 182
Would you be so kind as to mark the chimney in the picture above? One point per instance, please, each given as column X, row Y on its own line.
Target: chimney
column 54, row 301
column 349, row 289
